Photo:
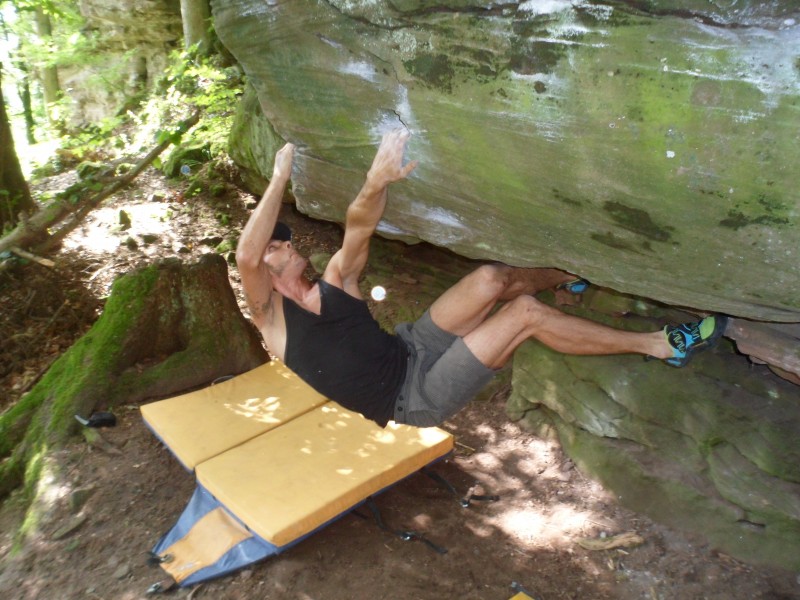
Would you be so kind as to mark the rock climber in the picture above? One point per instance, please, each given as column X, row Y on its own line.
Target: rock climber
column 428, row 370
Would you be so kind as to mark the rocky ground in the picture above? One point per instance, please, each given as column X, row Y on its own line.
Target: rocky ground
column 111, row 506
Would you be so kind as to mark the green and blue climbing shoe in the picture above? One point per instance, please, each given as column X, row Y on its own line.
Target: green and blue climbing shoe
column 576, row 286
column 688, row 338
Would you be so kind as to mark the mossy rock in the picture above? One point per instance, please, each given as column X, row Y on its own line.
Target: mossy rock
column 709, row 448
column 188, row 157
column 562, row 136
column 253, row 142
column 165, row 328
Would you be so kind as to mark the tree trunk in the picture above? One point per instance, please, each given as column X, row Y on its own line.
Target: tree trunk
column 166, row 328
column 50, row 84
column 15, row 196
column 24, row 88
column 196, row 18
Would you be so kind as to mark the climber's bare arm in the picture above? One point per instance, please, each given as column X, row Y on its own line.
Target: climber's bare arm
column 365, row 212
column 255, row 238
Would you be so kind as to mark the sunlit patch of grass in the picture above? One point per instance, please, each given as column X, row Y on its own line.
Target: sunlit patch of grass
column 36, row 156
column 31, row 156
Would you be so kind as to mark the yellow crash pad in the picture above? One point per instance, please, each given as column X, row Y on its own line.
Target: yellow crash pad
column 204, row 423
column 285, row 483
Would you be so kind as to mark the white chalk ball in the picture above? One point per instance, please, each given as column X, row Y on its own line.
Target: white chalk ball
column 378, row 293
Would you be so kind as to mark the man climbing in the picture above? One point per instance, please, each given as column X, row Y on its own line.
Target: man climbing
column 429, row 369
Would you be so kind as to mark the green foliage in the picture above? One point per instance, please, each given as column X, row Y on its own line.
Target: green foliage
column 195, row 83
column 49, row 7
column 11, row 203
column 71, row 45
column 186, row 159
column 90, row 169
column 204, row 84
column 194, row 189
column 190, row 83
column 226, row 246
column 68, row 46
column 94, row 142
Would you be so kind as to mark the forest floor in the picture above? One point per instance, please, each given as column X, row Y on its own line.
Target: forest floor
column 97, row 548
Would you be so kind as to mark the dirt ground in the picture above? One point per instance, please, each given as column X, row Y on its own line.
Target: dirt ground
column 110, row 507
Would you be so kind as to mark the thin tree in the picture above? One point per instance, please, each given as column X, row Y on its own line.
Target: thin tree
column 196, row 19
column 24, row 90
column 23, row 85
column 49, row 74
column 15, row 196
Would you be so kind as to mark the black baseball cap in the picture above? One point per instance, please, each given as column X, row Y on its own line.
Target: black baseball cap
column 281, row 232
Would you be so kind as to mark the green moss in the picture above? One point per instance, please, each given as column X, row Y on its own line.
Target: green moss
column 613, row 241
column 529, row 58
column 737, row 220
column 480, row 61
column 225, row 246
column 14, row 422
column 190, row 156
column 435, row 70
column 12, row 472
column 33, row 471
column 91, row 359
column 637, row 221
column 253, row 142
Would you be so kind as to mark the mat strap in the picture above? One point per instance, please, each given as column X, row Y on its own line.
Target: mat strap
column 465, row 500
column 406, row 536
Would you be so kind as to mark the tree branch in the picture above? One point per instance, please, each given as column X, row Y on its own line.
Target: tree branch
column 28, row 234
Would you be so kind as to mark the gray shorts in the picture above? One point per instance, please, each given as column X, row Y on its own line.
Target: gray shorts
column 443, row 375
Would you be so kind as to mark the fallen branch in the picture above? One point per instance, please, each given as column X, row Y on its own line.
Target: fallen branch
column 628, row 539
column 29, row 233
column 46, row 262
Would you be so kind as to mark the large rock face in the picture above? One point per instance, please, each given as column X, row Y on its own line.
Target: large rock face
column 134, row 38
column 653, row 149
column 650, row 146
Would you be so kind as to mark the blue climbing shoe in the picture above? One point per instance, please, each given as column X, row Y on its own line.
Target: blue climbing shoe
column 576, row 286
column 688, row 338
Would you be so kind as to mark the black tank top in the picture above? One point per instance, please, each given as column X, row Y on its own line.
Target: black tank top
column 344, row 354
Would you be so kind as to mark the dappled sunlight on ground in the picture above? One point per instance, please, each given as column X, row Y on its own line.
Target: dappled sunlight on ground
column 537, row 482
column 34, row 156
column 103, row 232
column 545, row 526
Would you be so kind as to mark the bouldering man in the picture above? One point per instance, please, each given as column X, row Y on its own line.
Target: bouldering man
column 427, row 370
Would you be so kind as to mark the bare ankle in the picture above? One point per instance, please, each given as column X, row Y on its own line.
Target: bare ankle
column 661, row 348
